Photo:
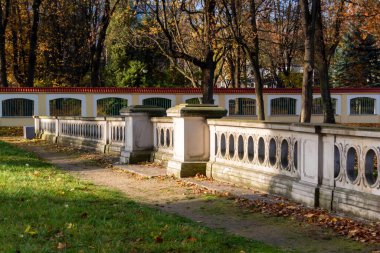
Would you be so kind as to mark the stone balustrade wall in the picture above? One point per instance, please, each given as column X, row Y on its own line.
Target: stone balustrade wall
column 328, row 166
column 320, row 165
column 163, row 134
column 99, row 133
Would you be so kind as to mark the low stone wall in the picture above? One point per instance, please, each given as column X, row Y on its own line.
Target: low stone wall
column 268, row 156
column 350, row 176
column 163, row 133
column 106, row 135
column 319, row 165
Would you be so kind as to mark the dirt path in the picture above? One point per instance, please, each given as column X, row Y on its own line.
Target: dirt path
column 175, row 196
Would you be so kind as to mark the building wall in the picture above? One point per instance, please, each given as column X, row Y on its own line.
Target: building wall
column 89, row 97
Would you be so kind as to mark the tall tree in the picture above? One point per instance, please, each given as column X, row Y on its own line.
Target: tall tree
column 33, row 43
column 4, row 16
column 322, row 65
column 187, row 30
column 281, row 39
column 357, row 60
column 98, row 38
column 308, row 18
column 247, row 36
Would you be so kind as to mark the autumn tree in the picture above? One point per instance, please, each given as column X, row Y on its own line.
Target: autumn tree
column 187, row 30
column 245, row 33
column 317, row 56
column 33, row 43
column 101, row 20
column 281, row 39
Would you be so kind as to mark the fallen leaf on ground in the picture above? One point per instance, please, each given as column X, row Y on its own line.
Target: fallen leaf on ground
column 29, row 230
column 191, row 239
column 61, row 245
column 158, row 239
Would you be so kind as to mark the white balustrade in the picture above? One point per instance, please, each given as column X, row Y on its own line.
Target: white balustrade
column 163, row 134
column 256, row 148
column 321, row 165
column 351, row 179
column 105, row 134
column 86, row 129
column 117, row 130
column 47, row 125
column 272, row 157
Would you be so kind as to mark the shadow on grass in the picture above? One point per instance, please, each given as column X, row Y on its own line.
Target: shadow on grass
column 96, row 219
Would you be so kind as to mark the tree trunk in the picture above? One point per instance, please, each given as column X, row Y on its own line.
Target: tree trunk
column 208, row 73
column 244, row 70
column 322, row 67
column 3, row 25
column 308, row 25
column 99, row 44
column 231, row 66
column 33, row 43
column 95, row 71
column 238, row 68
column 258, row 88
column 97, row 49
column 254, row 58
column 3, row 60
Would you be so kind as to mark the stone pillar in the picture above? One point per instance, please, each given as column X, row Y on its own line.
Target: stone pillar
column 37, row 126
column 191, row 138
column 139, row 132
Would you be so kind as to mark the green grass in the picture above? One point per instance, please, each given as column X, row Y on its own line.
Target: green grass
column 43, row 209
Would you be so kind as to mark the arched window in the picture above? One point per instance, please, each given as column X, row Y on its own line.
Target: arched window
column 362, row 106
column 65, row 107
column 242, row 106
column 318, row 106
column 110, row 106
column 18, row 107
column 283, row 106
column 160, row 102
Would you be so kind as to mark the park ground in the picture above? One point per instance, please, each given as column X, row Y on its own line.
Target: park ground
column 84, row 204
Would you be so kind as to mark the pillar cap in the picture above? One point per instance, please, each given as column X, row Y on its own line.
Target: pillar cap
column 153, row 111
column 208, row 111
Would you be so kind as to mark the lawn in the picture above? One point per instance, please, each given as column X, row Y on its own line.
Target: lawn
column 43, row 209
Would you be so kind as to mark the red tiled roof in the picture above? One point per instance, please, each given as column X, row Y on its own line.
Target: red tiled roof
column 178, row 90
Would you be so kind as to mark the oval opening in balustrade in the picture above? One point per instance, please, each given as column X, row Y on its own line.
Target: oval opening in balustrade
column 157, row 137
column 352, row 164
column 241, row 147
column 284, row 154
column 261, row 150
column 216, row 144
column 272, row 152
column 172, row 134
column 371, row 167
column 167, row 138
column 336, row 162
column 162, row 138
column 295, row 155
column 231, row 148
column 250, row 149
column 223, row 145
